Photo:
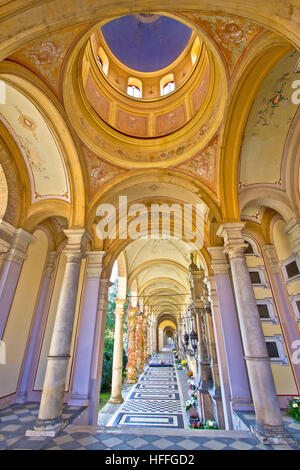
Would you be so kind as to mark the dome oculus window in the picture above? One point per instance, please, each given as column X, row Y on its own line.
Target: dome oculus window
column 167, row 84
column 134, row 87
column 134, row 91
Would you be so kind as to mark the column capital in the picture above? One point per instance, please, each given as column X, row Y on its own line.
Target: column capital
column 219, row 263
column 234, row 242
column 19, row 245
column 120, row 304
column 94, row 263
column 270, row 252
column 74, row 249
column 50, row 263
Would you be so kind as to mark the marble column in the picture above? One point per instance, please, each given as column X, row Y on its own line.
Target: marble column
column 97, row 353
column 50, row 420
column 116, row 386
column 37, row 326
column 80, row 395
column 131, row 350
column 139, row 338
column 11, row 270
column 229, row 335
column 284, row 309
column 221, row 355
column 216, row 391
column 293, row 229
column 269, row 425
column 145, row 341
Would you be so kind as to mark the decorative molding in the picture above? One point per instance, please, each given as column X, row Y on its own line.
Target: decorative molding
column 219, row 263
column 94, row 263
column 19, row 245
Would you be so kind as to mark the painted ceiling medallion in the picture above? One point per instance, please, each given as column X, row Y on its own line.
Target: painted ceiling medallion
column 147, row 17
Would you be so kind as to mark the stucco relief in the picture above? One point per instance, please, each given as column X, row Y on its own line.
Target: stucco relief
column 268, row 125
column 46, row 56
column 99, row 171
column 171, row 121
column 131, row 123
column 232, row 35
column 46, row 168
column 202, row 165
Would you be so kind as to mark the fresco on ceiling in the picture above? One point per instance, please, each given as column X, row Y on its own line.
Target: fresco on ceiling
column 232, row 35
column 202, row 165
column 268, row 124
column 146, row 42
column 99, row 171
column 39, row 148
column 46, row 56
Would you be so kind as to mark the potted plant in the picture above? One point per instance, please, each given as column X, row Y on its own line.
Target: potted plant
column 190, row 374
column 184, row 363
column 210, row 424
column 294, row 408
column 196, row 424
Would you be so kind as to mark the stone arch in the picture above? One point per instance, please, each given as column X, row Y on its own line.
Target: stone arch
column 265, row 55
column 45, row 18
column 52, row 111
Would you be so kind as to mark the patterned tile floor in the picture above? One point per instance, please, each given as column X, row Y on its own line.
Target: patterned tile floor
column 155, row 400
column 15, row 420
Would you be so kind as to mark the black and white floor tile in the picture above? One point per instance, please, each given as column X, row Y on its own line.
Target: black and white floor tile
column 155, row 400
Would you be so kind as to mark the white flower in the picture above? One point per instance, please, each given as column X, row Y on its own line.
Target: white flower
column 295, row 405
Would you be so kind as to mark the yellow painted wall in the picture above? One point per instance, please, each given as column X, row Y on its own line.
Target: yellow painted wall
column 18, row 325
column 283, row 376
column 40, row 375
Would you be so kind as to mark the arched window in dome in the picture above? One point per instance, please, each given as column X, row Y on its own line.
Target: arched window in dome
column 134, row 87
column 195, row 50
column 103, row 60
column 167, row 84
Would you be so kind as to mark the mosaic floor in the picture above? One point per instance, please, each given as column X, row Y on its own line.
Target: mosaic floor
column 151, row 418
column 155, row 400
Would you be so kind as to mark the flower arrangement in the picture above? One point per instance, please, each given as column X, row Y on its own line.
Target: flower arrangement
column 210, row 424
column 196, row 424
column 190, row 373
column 294, row 408
column 175, row 352
column 184, row 363
column 193, row 393
column 190, row 403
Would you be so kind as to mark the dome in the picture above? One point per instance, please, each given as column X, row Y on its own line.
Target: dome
column 146, row 42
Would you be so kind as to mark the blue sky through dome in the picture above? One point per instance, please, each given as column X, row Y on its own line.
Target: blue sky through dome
column 146, row 46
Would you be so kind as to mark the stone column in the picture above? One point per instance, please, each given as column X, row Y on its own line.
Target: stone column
column 37, row 324
column 216, row 391
column 229, row 336
column 98, row 350
column 139, row 344
column 154, row 338
column 116, row 386
column 50, row 413
column 80, row 395
column 293, row 229
column 11, row 270
column 145, row 341
column 269, row 428
column 221, row 355
column 284, row 309
column 131, row 350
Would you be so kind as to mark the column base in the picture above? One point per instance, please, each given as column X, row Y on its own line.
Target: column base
column 47, row 427
column 273, row 436
column 116, row 401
